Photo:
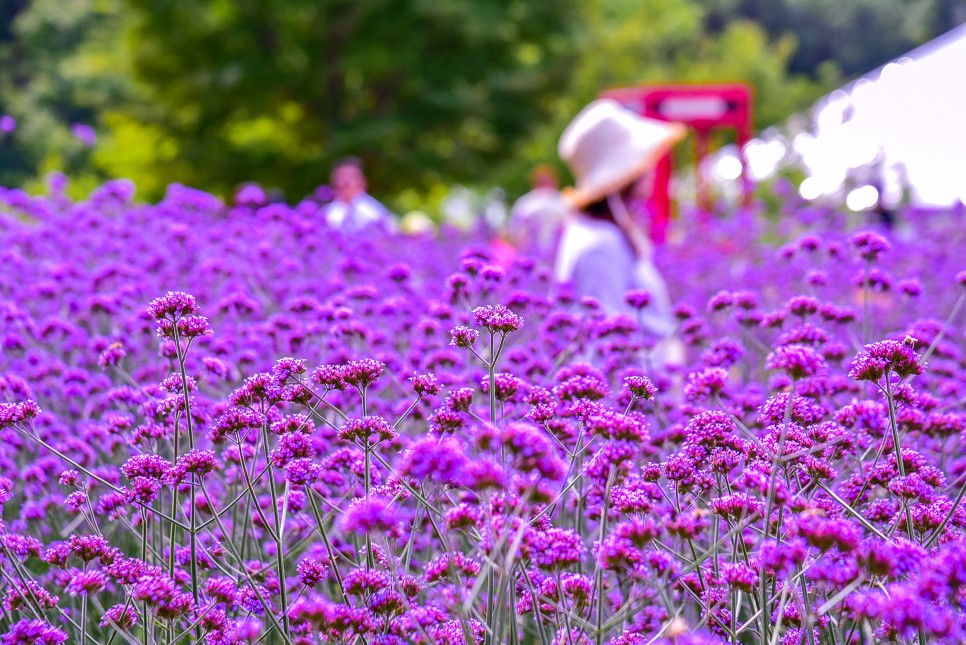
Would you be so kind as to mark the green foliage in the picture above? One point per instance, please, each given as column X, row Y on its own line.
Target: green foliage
column 277, row 89
column 856, row 35
column 626, row 43
column 742, row 52
column 428, row 92
column 49, row 80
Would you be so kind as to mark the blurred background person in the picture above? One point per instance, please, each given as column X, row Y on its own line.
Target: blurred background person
column 639, row 204
column 603, row 251
column 536, row 218
column 352, row 209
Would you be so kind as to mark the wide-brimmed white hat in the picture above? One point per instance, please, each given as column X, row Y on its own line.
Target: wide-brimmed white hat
column 607, row 147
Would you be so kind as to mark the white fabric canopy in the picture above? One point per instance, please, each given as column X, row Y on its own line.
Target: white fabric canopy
column 900, row 126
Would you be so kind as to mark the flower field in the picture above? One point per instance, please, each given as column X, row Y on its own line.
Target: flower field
column 233, row 425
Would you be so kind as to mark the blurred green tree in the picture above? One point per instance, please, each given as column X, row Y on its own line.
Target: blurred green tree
column 429, row 92
column 855, row 35
column 628, row 43
column 274, row 90
column 43, row 88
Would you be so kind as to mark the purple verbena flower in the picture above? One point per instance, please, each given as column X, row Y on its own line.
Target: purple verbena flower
column 705, row 383
column 172, row 306
column 869, row 245
column 640, row 387
column 367, row 430
column 638, row 299
column 123, row 616
column 425, row 384
column 361, row 374
column 375, row 515
column 497, row 319
column 439, row 460
column 85, row 583
column 885, row 356
column 33, row 632
column 464, row 337
column 112, row 355
column 798, row 361
column 22, row 597
column 312, row 571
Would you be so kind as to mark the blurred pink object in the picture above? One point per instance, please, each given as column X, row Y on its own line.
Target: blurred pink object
column 84, row 133
column 503, row 252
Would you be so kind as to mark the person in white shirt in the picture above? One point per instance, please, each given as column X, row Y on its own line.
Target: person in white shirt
column 536, row 218
column 604, row 252
column 353, row 209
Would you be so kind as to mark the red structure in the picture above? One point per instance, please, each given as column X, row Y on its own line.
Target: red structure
column 703, row 108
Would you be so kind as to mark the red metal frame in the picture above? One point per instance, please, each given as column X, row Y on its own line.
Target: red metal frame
column 703, row 108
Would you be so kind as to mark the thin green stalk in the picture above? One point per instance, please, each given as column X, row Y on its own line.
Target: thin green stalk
column 193, row 518
column 328, row 547
column 949, row 516
column 490, row 609
column 279, row 541
column 491, row 370
column 144, row 556
column 875, row 462
column 370, row 562
column 763, row 593
column 809, row 619
column 269, row 613
column 83, row 620
column 193, row 538
column 172, row 533
column 408, row 410
column 599, row 574
column 410, row 543
column 541, row 631
column 514, row 638
column 251, row 487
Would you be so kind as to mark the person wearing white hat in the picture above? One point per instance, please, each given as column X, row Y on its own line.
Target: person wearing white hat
column 603, row 252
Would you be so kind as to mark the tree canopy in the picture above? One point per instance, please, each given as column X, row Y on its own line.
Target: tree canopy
column 857, row 35
column 428, row 92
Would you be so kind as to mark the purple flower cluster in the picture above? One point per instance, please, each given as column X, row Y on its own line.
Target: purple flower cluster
column 885, row 357
column 497, row 319
column 238, row 425
column 798, row 361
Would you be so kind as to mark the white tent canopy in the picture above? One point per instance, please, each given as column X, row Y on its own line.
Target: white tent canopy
column 902, row 126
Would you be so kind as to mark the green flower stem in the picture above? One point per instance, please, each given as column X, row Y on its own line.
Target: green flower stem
column 279, row 538
column 763, row 593
column 193, row 517
column 328, row 548
column 269, row 613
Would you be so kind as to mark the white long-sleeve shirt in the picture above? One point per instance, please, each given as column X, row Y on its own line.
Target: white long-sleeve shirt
column 597, row 259
column 360, row 213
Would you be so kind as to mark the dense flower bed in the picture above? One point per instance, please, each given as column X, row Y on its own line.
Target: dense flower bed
column 235, row 426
